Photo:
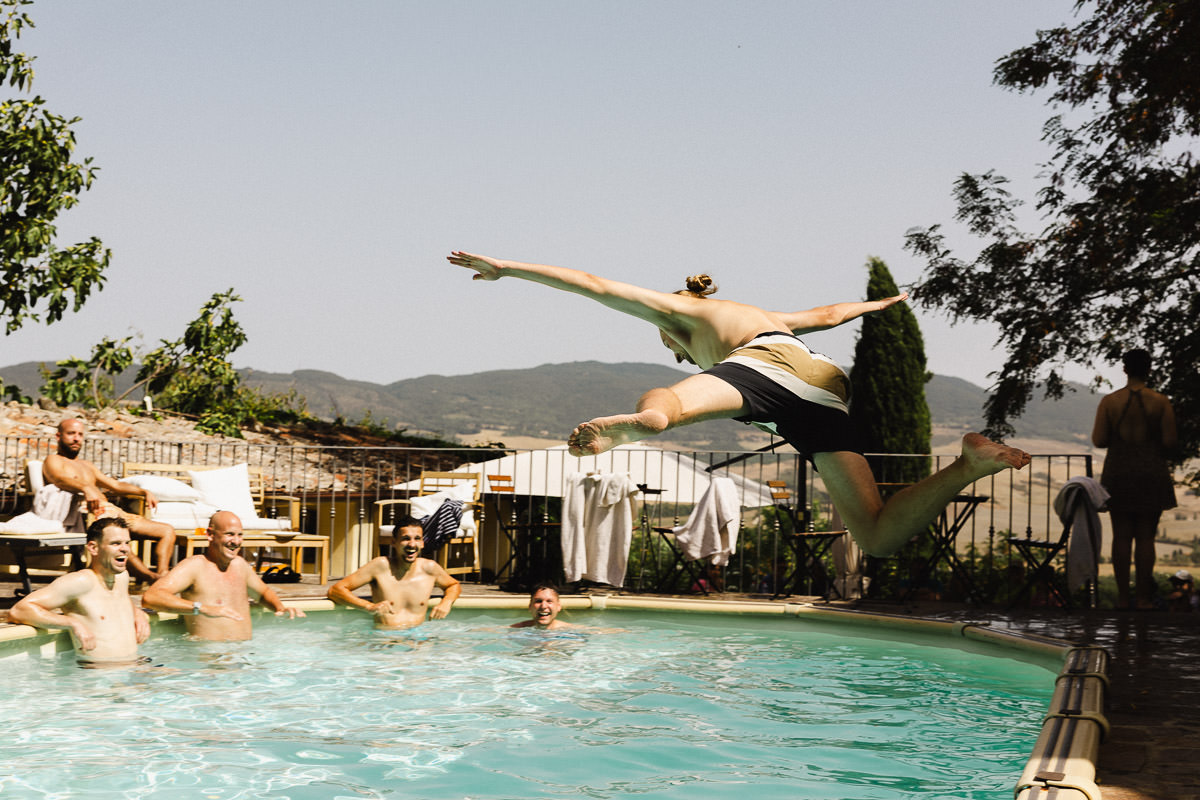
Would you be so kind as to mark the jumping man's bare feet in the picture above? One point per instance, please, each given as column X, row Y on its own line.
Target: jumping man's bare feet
column 984, row 457
column 604, row 433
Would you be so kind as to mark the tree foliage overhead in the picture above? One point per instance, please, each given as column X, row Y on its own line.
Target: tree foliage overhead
column 888, row 379
column 38, row 181
column 1116, row 264
column 190, row 375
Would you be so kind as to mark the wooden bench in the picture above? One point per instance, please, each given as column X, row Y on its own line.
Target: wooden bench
column 196, row 539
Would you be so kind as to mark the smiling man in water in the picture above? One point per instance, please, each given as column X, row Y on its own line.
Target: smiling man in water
column 401, row 584
column 93, row 603
column 544, row 605
column 213, row 589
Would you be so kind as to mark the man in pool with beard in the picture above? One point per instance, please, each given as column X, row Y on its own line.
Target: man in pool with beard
column 401, row 583
column 212, row 590
column 93, row 604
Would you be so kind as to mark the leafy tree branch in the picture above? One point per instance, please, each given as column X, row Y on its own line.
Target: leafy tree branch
column 1117, row 263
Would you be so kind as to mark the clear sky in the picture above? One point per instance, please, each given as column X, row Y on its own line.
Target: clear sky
column 323, row 158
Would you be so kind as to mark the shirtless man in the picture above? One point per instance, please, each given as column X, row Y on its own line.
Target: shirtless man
column 93, row 604
column 544, row 605
column 756, row 370
column 213, row 589
column 401, row 583
column 66, row 470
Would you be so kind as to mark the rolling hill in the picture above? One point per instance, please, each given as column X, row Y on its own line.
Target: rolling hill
column 546, row 402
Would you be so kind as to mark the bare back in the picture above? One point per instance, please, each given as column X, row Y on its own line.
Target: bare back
column 1137, row 417
column 709, row 330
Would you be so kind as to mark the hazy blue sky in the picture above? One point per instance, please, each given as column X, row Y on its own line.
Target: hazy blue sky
column 323, row 158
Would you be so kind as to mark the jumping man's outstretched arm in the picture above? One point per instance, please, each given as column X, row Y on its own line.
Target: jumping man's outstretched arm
column 666, row 311
column 824, row 317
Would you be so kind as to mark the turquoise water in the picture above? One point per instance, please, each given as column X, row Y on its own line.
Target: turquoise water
column 674, row 706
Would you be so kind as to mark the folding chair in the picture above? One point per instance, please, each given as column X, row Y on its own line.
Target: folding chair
column 505, row 485
column 808, row 547
column 1039, row 555
column 696, row 572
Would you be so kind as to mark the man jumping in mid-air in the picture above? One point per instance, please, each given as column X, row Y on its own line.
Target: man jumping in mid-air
column 756, row 370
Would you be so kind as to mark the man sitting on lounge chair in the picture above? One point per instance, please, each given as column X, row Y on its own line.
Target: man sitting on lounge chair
column 79, row 483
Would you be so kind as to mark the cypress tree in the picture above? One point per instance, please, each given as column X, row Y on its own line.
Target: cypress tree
column 888, row 383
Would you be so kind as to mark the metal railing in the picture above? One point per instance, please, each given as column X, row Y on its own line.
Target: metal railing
column 337, row 488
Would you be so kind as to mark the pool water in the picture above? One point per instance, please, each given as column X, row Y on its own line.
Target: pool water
column 673, row 706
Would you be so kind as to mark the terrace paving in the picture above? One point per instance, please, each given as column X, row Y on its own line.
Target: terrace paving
column 1153, row 751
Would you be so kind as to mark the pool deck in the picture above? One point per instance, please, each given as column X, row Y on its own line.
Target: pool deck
column 1153, row 751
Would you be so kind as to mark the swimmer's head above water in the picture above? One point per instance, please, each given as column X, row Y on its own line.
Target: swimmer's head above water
column 544, row 605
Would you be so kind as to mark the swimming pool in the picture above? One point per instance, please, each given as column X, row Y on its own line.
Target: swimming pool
column 677, row 706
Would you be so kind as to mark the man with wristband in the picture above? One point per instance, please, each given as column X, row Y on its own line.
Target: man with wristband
column 213, row 589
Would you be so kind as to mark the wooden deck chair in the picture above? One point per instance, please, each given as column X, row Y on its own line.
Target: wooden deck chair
column 242, row 489
column 459, row 554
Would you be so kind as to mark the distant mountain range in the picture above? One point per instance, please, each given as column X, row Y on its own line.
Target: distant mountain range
column 548, row 401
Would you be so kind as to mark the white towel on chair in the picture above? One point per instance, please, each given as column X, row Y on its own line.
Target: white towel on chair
column 597, row 529
column 58, row 505
column 1077, row 504
column 711, row 529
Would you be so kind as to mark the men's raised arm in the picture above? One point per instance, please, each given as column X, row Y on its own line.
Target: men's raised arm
column 41, row 609
column 451, row 589
column 163, row 595
column 825, row 317
column 268, row 597
column 657, row 308
column 344, row 590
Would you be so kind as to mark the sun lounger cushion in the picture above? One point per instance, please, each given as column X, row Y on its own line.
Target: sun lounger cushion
column 228, row 489
column 166, row 490
column 184, row 515
column 30, row 523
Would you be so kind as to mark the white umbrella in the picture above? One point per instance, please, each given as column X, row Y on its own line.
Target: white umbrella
column 681, row 478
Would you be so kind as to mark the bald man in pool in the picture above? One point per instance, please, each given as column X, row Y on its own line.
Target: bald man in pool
column 212, row 590
column 93, row 604
column 401, row 583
